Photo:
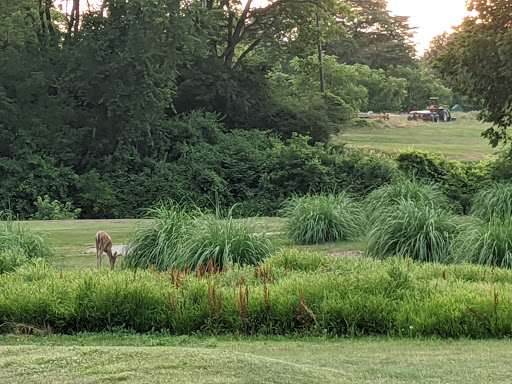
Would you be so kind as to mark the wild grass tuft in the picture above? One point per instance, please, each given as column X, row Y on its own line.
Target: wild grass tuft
column 487, row 244
column 419, row 231
column 16, row 237
column 222, row 241
column 317, row 219
column 405, row 189
column 157, row 244
column 493, row 201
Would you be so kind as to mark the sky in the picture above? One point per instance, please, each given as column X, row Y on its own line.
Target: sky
column 431, row 17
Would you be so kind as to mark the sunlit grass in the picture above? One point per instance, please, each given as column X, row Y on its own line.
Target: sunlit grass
column 459, row 140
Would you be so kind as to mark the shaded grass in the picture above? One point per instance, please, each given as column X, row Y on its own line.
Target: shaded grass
column 215, row 360
column 460, row 140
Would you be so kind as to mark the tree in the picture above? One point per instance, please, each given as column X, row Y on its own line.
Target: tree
column 241, row 29
column 436, row 47
column 478, row 63
column 375, row 37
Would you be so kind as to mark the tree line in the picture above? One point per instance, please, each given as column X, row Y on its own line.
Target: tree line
column 113, row 107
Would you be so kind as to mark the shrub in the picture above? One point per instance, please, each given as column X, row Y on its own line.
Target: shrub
column 222, row 241
column 493, row 201
column 486, row 244
column 343, row 296
column 14, row 237
column 419, row 231
column 456, row 179
column 11, row 259
column 54, row 210
column 316, row 219
column 157, row 243
column 405, row 189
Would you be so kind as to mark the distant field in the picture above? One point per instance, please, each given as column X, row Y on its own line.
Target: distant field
column 460, row 140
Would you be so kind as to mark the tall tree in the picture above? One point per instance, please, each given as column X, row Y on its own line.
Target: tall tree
column 375, row 38
column 436, row 47
column 478, row 63
column 243, row 28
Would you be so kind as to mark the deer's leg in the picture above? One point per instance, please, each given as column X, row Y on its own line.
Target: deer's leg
column 99, row 255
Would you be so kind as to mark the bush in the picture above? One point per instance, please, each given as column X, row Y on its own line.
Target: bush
column 419, row 231
column 494, row 201
column 486, row 244
column 157, row 244
column 11, row 259
column 405, row 189
column 316, row 219
column 15, row 237
column 343, row 296
column 222, row 241
column 458, row 181
column 54, row 210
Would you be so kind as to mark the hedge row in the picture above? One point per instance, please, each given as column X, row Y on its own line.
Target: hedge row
column 292, row 292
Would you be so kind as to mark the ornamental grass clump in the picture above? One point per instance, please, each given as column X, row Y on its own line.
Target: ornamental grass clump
column 493, row 201
column 487, row 244
column 157, row 244
column 317, row 219
column 410, row 229
column 15, row 237
column 405, row 189
column 217, row 242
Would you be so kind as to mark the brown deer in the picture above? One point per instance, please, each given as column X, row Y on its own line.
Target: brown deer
column 104, row 244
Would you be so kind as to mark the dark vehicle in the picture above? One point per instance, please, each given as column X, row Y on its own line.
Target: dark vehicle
column 434, row 113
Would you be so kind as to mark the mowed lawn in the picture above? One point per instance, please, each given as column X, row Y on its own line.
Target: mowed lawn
column 459, row 140
column 248, row 361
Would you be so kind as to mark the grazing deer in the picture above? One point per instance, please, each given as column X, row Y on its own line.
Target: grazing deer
column 104, row 244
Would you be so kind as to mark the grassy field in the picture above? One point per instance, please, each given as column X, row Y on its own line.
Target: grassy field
column 460, row 139
column 187, row 360
column 71, row 239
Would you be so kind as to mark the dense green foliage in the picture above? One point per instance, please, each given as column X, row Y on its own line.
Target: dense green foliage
column 17, row 242
column 323, row 218
column 476, row 62
column 402, row 189
column 493, row 201
column 421, row 231
column 109, row 110
column 322, row 295
column 486, row 244
column 178, row 239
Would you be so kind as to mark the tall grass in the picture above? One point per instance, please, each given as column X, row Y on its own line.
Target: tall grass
column 486, row 244
column 222, row 241
column 493, row 201
column 157, row 244
column 322, row 296
column 316, row 219
column 18, row 238
column 178, row 239
column 419, row 231
column 405, row 189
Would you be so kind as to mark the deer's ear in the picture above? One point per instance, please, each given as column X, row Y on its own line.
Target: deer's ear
column 115, row 254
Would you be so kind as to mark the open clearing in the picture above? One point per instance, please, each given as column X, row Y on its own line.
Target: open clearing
column 459, row 140
column 211, row 360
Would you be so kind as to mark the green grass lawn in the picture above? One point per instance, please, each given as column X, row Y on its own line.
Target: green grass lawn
column 143, row 359
column 460, row 139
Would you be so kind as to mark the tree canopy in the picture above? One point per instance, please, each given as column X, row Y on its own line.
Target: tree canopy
column 477, row 62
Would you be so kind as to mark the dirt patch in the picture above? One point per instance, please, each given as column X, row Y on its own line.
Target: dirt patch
column 119, row 248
